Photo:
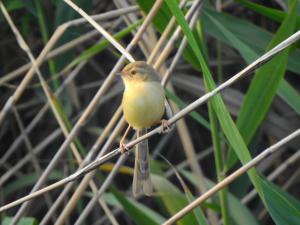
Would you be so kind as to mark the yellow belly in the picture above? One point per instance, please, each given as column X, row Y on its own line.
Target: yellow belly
column 143, row 104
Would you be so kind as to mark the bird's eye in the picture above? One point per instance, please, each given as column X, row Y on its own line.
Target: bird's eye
column 133, row 72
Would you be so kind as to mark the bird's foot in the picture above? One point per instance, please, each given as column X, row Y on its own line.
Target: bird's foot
column 123, row 148
column 165, row 128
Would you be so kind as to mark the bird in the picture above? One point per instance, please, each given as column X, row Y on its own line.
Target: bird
column 143, row 106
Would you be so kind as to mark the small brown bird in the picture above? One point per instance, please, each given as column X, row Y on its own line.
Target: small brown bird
column 143, row 106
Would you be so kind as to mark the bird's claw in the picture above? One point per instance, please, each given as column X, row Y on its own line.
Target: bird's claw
column 165, row 128
column 123, row 148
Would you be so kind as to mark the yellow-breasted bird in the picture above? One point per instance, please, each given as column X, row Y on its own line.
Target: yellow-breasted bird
column 143, row 106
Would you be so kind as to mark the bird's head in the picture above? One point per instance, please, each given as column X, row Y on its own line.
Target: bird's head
column 139, row 71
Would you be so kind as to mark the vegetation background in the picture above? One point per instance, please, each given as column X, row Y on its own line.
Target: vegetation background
column 53, row 105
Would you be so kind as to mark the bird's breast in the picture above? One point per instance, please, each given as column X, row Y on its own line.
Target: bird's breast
column 143, row 104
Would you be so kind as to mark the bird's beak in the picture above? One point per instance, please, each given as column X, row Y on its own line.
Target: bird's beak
column 122, row 74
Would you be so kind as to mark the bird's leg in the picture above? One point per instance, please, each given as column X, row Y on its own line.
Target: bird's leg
column 165, row 126
column 123, row 147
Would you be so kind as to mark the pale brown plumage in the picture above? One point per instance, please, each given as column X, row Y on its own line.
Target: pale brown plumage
column 143, row 106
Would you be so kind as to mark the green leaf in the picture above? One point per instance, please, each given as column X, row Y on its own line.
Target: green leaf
column 65, row 13
column 157, row 167
column 23, row 221
column 282, row 203
column 248, row 54
column 63, row 115
column 289, row 95
column 199, row 215
column 138, row 212
column 110, row 199
column 161, row 19
column 172, row 198
column 12, row 5
column 44, row 29
column 274, row 14
column 285, row 90
column 29, row 5
column 27, row 180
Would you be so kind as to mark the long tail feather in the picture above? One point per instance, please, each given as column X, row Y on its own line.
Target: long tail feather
column 141, row 178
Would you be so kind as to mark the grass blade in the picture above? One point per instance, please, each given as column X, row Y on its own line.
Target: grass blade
column 274, row 14
column 172, row 198
column 137, row 211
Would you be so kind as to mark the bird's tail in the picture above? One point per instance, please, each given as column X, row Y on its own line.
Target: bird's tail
column 141, row 178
